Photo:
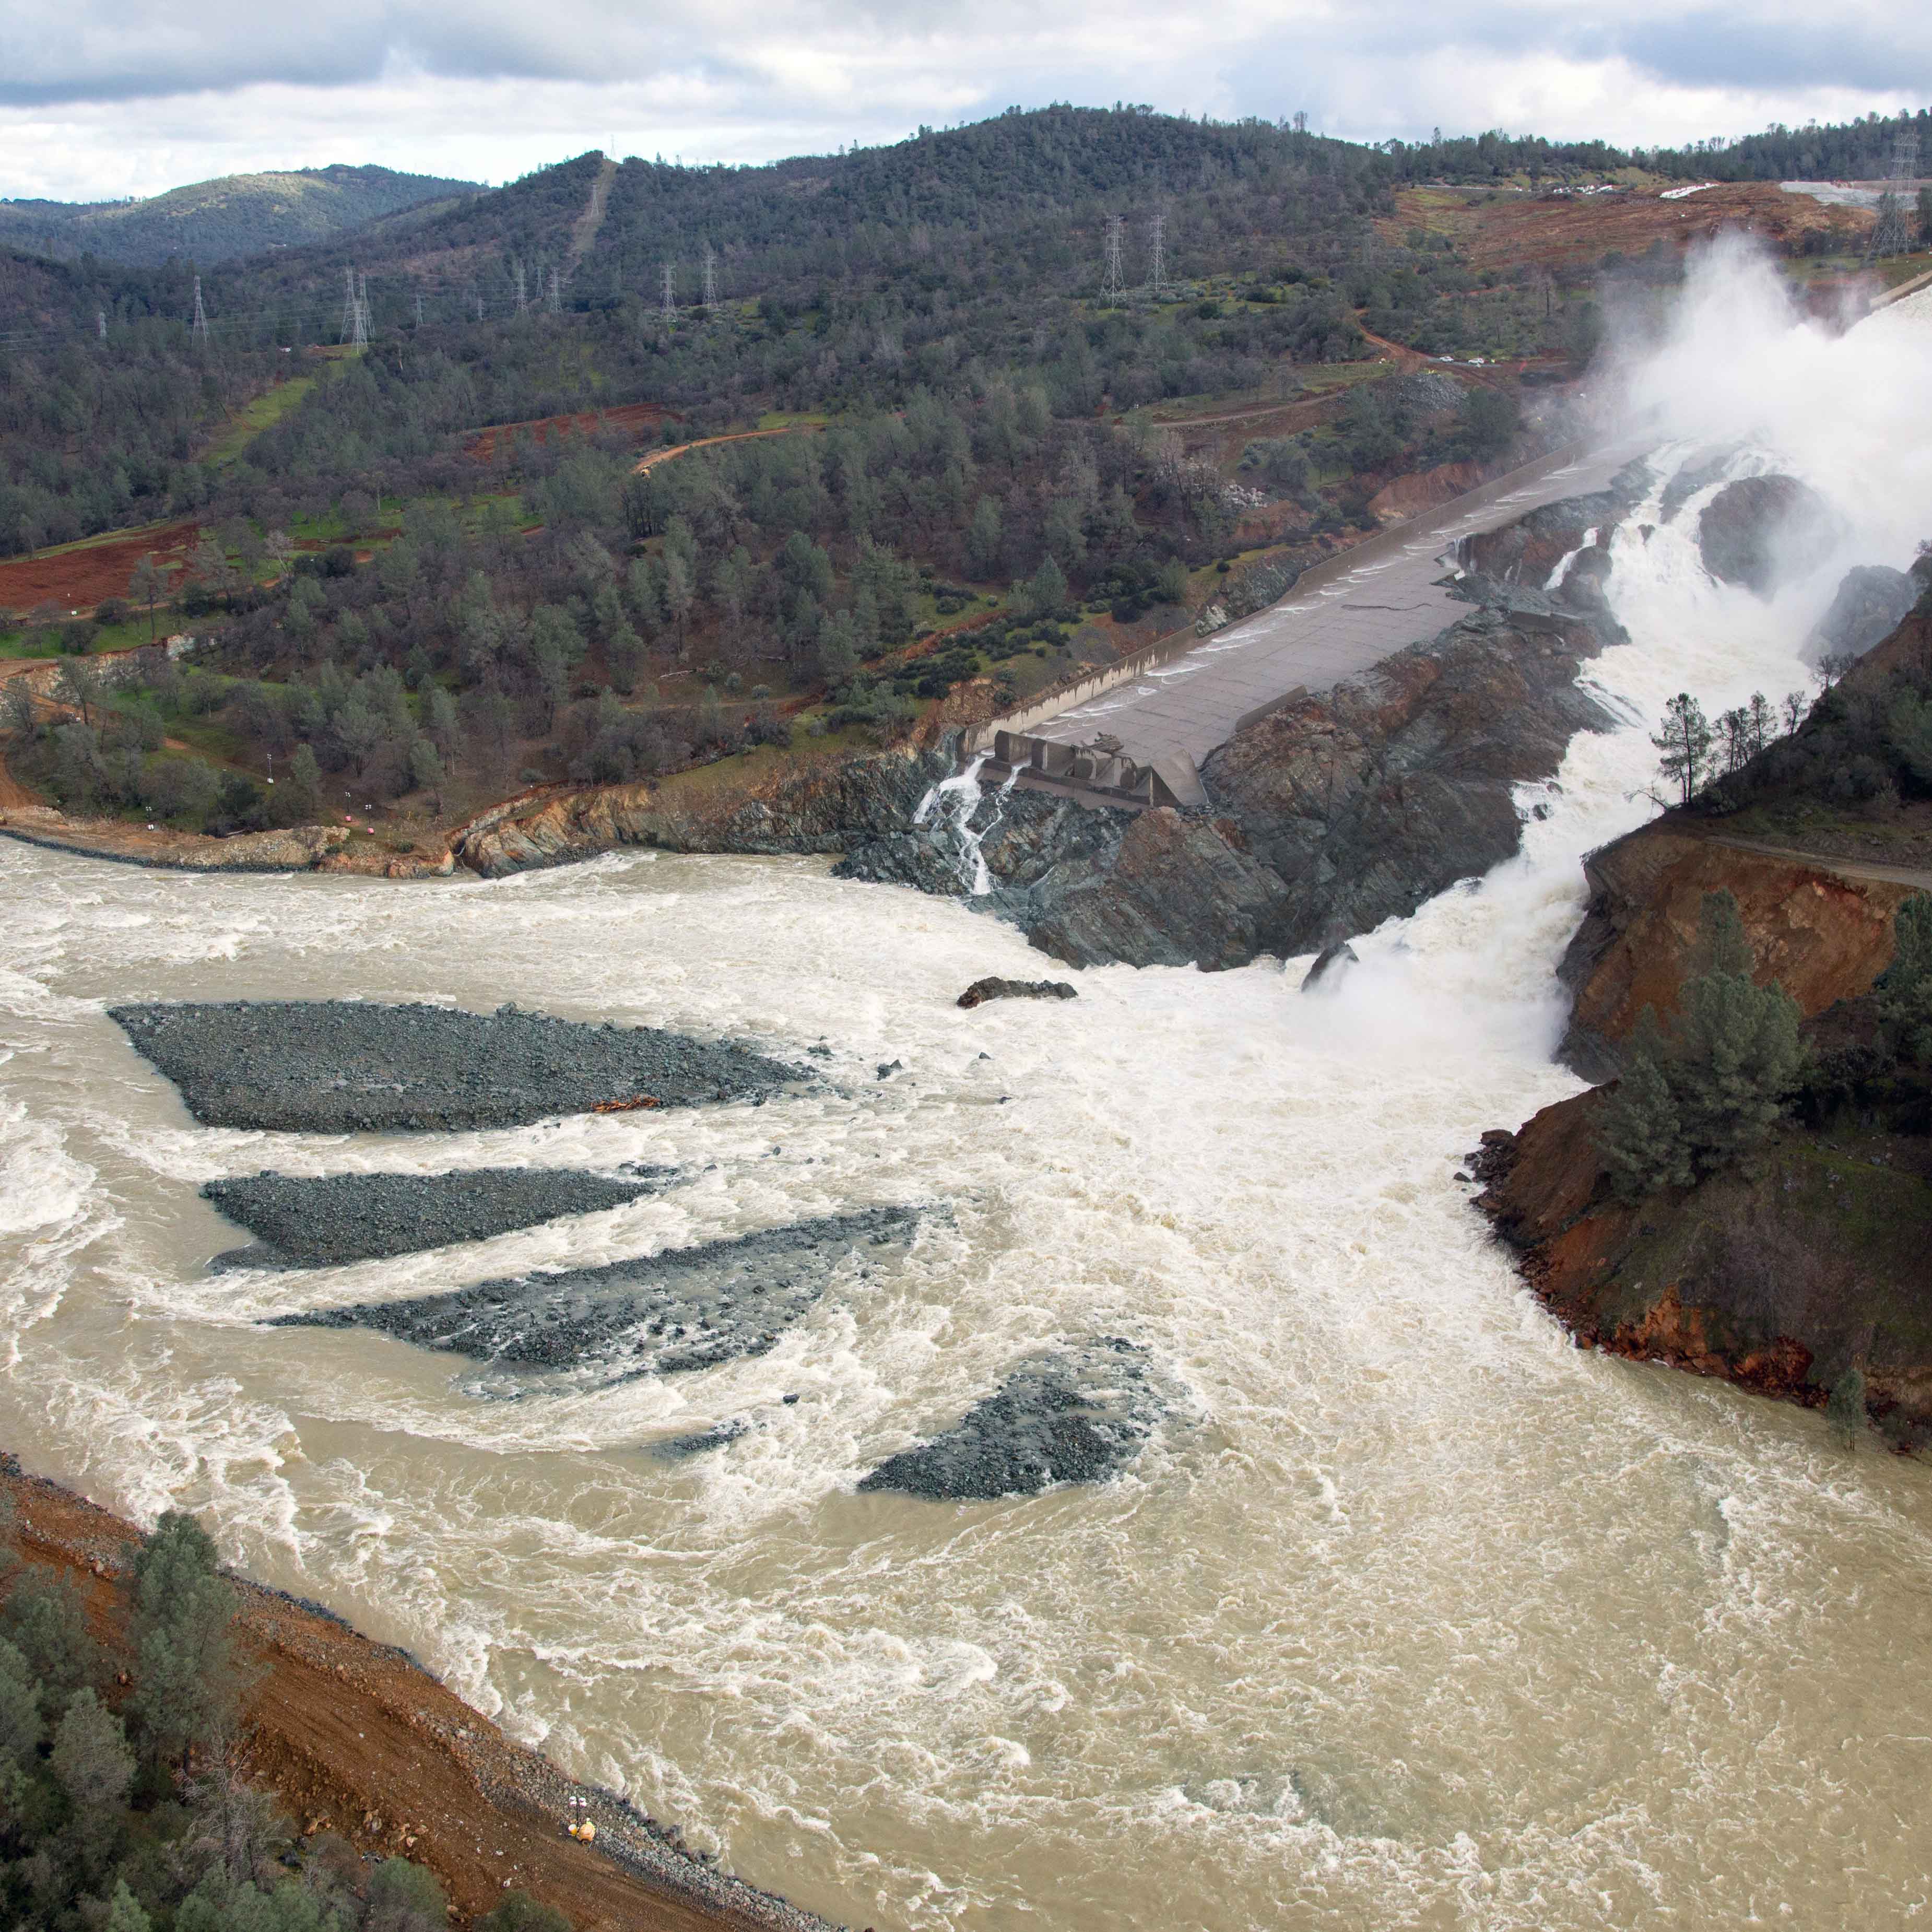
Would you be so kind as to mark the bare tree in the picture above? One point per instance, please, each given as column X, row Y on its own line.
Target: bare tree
column 80, row 687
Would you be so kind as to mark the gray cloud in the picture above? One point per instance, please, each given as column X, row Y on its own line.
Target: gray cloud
column 101, row 96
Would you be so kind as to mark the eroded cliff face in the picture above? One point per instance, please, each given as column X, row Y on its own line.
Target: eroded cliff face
column 1825, row 936
column 1779, row 1276
column 1782, row 1274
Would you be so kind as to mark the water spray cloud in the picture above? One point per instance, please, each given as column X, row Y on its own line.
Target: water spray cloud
column 1850, row 411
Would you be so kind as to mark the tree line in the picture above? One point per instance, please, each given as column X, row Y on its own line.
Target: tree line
column 120, row 1809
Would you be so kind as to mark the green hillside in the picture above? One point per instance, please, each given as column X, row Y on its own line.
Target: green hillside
column 225, row 220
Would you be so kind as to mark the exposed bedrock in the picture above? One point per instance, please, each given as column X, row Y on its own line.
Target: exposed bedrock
column 339, row 1066
column 993, row 987
column 1762, row 531
column 1330, row 815
column 821, row 808
column 666, row 1314
column 353, row 1217
column 1092, row 886
column 1066, row 1416
column 1871, row 604
column 1367, row 801
column 1527, row 551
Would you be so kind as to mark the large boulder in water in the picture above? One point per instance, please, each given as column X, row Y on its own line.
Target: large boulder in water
column 1760, row 532
column 1871, row 604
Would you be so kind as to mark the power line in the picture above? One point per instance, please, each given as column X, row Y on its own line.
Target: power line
column 1113, row 283
column 1892, row 236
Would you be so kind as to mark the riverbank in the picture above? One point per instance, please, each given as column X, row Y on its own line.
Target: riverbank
column 354, row 1737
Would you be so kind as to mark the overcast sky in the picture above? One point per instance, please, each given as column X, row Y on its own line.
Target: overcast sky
column 109, row 97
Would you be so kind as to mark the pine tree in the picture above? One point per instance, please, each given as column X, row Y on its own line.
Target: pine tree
column 188, row 1680
column 1736, row 1058
column 1639, row 1129
column 124, row 1911
column 1710, row 1090
column 302, row 802
column 1905, row 988
column 1685, row 742
column 22, row 1727
column 1722, row 947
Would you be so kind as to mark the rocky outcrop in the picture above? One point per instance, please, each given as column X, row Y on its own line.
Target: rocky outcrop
column 1872, row 602
column 1090, row 884
column 1526, row 551
column 1372, row 797
column 1176, row 891
column 981, row 991
column 820, row 807
column 1762, row 531
column 1825, row 936
column 1779, row 1276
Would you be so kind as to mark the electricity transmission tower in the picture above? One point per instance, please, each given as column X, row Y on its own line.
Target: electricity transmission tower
column 198, row 330
column 517, row 271
column 361, row 339
column 349, row 307
column 669, row 296
column 1893, row 234
column 1113, row 283
column 556, row 295
column 1157, row 252
column 710, row 279
column 100, row 323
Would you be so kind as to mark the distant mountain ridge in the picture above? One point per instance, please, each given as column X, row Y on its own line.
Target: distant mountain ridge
column 227, row 219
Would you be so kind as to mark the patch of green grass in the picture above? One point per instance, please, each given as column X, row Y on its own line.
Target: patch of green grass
column 264, row 413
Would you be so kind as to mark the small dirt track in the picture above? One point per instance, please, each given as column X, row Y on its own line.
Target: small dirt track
column 658, row 456
column 1847, row 868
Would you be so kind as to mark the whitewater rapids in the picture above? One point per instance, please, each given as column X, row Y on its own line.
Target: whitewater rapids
column 1410, row 1614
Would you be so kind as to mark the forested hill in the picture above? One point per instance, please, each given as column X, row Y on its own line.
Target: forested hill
column 1855, row 151
column 1020, row 203
column 223, row 220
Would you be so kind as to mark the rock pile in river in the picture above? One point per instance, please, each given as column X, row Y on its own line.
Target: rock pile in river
column 337, row 1218
column 663, row 1314
column 1066, row 1416
column 339, row 1066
